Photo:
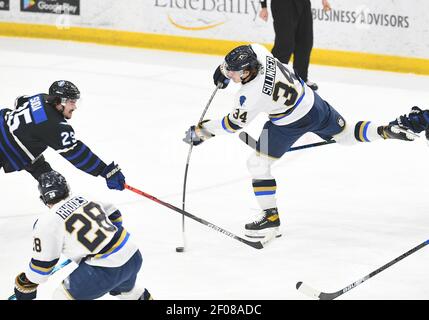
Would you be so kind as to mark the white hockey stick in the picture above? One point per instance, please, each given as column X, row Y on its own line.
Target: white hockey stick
column 316, row 294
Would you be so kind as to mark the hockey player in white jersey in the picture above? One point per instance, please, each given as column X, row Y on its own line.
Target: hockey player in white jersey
column 89, row 233
column 293, row 109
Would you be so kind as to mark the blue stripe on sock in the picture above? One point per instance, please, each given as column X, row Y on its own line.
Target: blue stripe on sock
column 264, row 193
column 365, row 129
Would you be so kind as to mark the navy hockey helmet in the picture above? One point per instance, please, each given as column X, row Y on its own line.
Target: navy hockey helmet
column 53, row 187
column 64, row 89
column 241, row 58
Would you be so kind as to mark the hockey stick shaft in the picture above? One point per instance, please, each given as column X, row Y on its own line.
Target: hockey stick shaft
column 256, row 245
column 384, row 267
column 330, row 296
column 57, row 268
column 188, row 159
column 251, row 142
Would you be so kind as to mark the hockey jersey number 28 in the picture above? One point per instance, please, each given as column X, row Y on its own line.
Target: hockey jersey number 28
column 79, row 229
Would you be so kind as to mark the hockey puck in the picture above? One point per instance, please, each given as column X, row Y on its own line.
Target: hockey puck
column 180, row 249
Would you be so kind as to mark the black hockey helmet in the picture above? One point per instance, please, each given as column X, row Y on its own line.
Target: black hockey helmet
column 64, row 89
column 53, row 187
column 241, row 58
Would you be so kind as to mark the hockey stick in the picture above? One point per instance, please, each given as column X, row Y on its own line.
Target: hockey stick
column 251, row 142
column 57, row 267
column 256, row 245
column 182, row 249
column 313, row 293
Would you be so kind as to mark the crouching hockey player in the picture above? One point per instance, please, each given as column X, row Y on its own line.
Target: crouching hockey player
column 39, row 122
column 89, row 233
column 293, row 109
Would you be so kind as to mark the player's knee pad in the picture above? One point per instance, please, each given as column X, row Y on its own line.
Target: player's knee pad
column 61, row 294
column 259, row 166
column 347, row 136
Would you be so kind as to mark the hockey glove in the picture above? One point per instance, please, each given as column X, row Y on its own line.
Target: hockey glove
column 197, row 134
column 417, row 120
column 114, row 177
column 24, row 288
column 219, row 77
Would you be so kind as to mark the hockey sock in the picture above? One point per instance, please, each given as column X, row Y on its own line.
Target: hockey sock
column 365, row 131
column 265, row 192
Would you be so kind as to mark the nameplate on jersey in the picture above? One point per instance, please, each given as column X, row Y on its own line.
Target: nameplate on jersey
column 270, row 76
column 37, row 108
column 70, row 206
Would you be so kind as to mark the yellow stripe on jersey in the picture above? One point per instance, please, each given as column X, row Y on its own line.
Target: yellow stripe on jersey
column 41, row 270
column 121, row 241
column 228, row 126
column 119, row 219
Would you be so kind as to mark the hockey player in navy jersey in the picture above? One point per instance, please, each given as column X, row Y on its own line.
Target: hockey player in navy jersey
column 293, row 109
column 40, row 121
column 89, row 233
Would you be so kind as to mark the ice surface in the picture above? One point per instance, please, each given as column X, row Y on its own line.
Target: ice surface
column 345, row 211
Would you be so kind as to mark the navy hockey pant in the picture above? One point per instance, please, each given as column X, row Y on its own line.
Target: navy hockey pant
column 91, row 282
column 322, row 119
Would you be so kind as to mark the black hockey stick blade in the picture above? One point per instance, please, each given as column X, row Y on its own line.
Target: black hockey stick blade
column 251, row 142
column 316, row 294
column 256, row 244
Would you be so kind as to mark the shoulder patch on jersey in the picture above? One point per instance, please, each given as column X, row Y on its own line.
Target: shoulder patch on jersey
column 37, row 108
column 242, row 100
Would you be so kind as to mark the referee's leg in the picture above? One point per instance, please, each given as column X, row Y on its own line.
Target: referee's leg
column 285, row 23
column 304, row 41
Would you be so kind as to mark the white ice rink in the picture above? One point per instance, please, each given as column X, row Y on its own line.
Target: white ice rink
column 345, row 211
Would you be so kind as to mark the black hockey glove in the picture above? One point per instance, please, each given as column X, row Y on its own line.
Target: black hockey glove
column 219, row 77
column 24, row 288
column 38, row 167
column 417, row 120
column 197, row 134
column 114, row 177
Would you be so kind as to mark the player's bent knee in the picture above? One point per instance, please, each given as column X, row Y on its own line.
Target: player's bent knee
column 346, row 137
column 259, row 166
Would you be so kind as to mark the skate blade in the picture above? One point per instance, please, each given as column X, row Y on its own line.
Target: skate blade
column 261, row 234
